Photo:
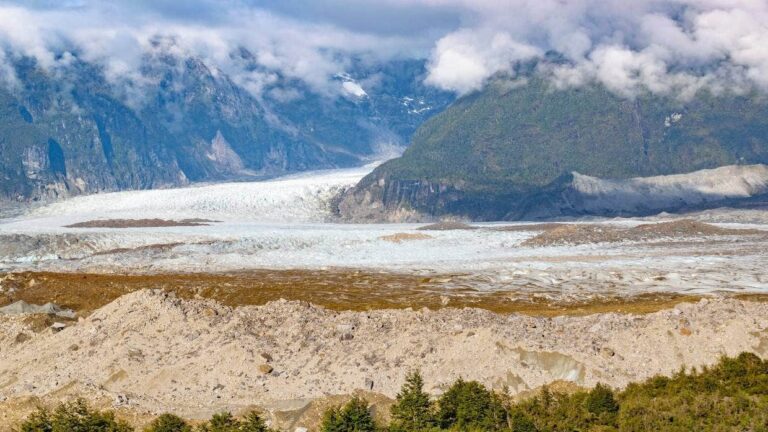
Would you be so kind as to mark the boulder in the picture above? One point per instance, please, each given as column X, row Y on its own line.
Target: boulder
column 22, row 307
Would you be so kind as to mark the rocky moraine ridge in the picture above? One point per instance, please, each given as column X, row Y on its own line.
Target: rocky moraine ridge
column 149, row 352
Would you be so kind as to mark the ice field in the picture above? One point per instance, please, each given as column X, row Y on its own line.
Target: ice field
column 284, row 224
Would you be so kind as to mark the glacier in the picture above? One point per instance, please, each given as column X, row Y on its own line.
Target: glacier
column 287, row 223
column 296, row 198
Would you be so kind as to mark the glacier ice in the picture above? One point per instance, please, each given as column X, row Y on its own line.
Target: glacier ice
column 290, row 199
column 284, row 224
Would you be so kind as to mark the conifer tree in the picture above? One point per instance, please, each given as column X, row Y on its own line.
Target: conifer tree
column 168, row 423
column 413, row 410
column 352, row 417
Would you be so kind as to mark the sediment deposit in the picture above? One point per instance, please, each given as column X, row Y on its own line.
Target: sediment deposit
column 149, row 351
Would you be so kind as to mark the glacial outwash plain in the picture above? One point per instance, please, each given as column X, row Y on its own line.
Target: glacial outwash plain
column 236, row 296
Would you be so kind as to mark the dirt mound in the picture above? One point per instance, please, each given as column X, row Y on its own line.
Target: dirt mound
column 447, row 226
column 528, row 227
column 576, row 234
column 140, row 223
column 401, row 237
column 688, row 227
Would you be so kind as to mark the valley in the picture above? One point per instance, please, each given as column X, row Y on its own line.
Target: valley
column 304, row 309
column 383, row 216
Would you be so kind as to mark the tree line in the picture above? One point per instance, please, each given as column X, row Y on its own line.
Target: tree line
column 732, row 395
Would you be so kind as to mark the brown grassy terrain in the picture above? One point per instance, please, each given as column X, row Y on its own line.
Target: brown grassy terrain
column 447, row 226
column 529, row 227
column 576, row 234
column 401, row 237
column 140, row 223
column 334, row 289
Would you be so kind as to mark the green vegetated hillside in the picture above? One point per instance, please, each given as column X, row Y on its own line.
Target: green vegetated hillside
column 484, row 155
column 730, row 396
column 72, row 130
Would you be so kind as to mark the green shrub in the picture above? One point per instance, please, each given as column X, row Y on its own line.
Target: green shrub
column 602, row 405
column 518, row 421
column 469, row 405
column 75, row 416
column 557, row 412
column 168, row 423
column 352, row 417
column 221, row 422
column 226, row 422
column 732, row 395
column 254, row 423
column 600, row 401
column 412, row 410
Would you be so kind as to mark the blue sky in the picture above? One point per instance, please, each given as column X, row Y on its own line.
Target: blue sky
column 379, row 17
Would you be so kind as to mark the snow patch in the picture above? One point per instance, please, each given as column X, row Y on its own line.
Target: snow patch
column 415, row 106
column 354, row 89
column 674, row 118
column 350, row 86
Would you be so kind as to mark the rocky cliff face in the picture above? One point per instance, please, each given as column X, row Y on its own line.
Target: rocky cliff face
column 70, row 132
column 572, row 195
column 579, row 195
column 511, row 151
column 58, row 141
column 388, row 199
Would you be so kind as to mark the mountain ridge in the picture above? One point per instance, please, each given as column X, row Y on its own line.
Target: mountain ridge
column 72, row 132
column 487, row 155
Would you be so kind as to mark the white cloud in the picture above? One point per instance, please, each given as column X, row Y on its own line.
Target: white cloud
column 628, row 45
column 7, row 74
column 309, row 52
column 462, row 61
column 660, row 45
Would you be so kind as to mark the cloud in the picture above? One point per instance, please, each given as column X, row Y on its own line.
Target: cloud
column 463, row 60
column 312, row 52
column 665, row 46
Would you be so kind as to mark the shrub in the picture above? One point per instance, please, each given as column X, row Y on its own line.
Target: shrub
column 168, row 423
column 226, row 422
column 601, row 402
column 254, row 423
column 75, row 416
column 518, row 421
column 352, row 417
column 221, row 422
column 412, row 410
column 732, row 395
column 556, row 412
column 469, row 405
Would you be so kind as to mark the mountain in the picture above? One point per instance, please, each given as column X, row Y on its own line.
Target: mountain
column 518, row 149
column 71, row 131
